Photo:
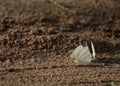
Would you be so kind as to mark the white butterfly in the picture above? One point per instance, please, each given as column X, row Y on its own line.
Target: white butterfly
column 82, row 54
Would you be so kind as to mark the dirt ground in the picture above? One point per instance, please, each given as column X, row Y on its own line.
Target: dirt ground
column 37, row 38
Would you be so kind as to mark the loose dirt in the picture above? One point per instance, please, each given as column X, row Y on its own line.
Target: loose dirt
column 37, row 38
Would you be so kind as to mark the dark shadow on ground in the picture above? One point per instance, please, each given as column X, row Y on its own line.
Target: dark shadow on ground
column 107, row 61
column 104, row 46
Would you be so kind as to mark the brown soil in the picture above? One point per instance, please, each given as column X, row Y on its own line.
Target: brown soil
column 36, row 40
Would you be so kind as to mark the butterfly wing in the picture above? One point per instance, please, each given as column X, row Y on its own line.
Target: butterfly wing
column 76, row 52
column 93, row 50
column 84, row 56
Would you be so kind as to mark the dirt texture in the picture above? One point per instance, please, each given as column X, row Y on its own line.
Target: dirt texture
column 37, row 38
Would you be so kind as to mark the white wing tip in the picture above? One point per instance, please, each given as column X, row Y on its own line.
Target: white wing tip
column 93, row 49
